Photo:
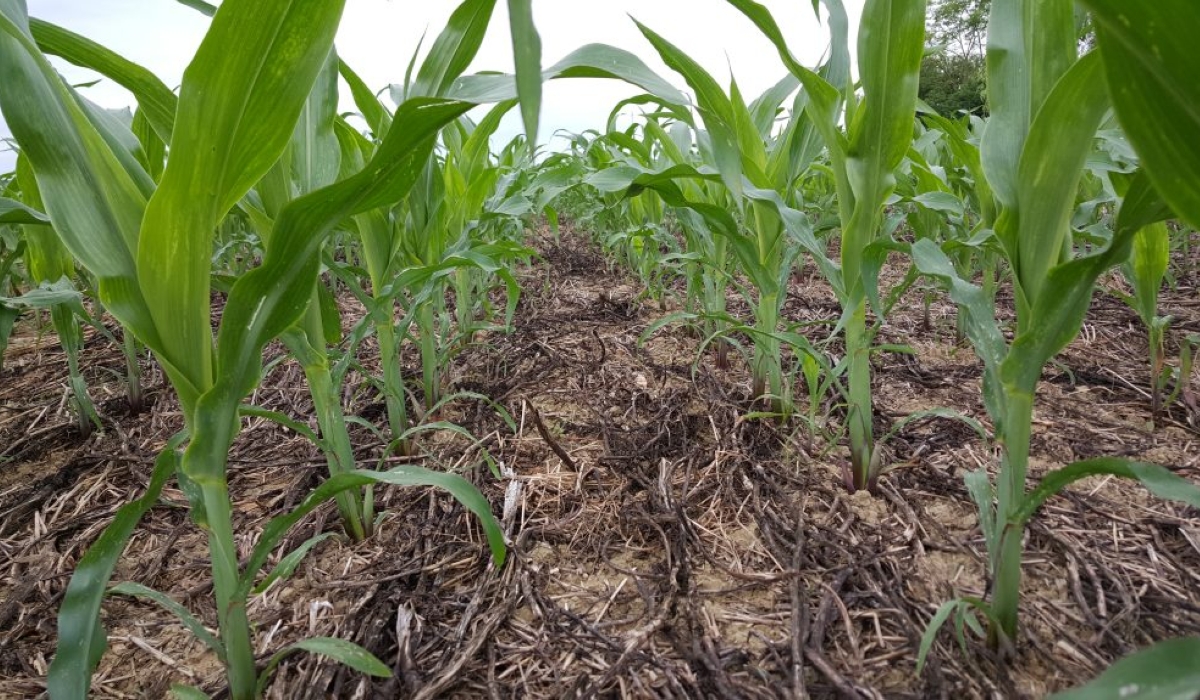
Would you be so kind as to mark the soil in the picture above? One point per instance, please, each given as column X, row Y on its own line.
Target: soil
column 662, row 545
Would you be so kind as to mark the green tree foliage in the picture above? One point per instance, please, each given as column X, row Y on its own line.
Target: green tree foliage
column 952, row 73
column 952, row 83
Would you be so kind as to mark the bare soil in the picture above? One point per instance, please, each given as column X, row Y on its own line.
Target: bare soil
column 662, row 545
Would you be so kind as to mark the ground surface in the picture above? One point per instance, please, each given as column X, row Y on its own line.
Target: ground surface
column 662, row 547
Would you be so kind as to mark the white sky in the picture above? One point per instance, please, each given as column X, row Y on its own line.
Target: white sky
column 377, row 38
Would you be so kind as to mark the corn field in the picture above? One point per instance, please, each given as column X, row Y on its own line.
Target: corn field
column 311, row 387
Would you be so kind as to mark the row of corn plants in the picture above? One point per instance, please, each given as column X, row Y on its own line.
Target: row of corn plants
column 251, row 153
column 1024, row 198
column 250, row 182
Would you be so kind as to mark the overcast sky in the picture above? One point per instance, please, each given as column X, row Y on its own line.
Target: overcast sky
column 377, row 38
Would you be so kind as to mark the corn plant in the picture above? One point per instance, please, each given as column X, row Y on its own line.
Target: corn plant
column 878, row 134
column 1046, row 107
column 1148, row 67
column 149, row 244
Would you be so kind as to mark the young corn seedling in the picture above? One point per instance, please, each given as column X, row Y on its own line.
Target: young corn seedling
column 864, row 158
column 1046, row 107
column 149, row 244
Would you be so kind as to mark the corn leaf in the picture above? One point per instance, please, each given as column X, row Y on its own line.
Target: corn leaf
column 590, row 61
column 408, row 475
column 1159, row 480
column 185, row 617
column 1167, row 670
column 154, row 98
column 1060, row 309
column 368, row 105
column 454, row 49
column 13, row 212
column 237, row 111
column 1151, row 66
column 339, row 650
column 265, row 301
column 81, row 638
column 714, row 106
column 1056, row 149
column 527, row 57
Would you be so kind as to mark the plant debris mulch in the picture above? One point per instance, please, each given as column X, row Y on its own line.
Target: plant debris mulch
column 662, row 545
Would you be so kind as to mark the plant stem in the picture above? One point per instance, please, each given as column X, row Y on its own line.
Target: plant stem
column 429, row 352
column 393, row 382
column 338, row 450
column 231, row 609
column 133, row 372
column 862, row 441
column 1006, row 570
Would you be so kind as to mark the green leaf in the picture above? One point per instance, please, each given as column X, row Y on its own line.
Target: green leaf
column 715, row 108
column 339, row 650
column 527, row 56
column 1151, row 65
column 1031, row 43
column 8, row 317
column 81, row 638
column 205, row 8
column 154, row 98
column 1159, row 480
column 1169, row 670
column 1060, row 309
column 1056, row 149
column 408, row 475
column 287, row 565
column 454, row 49
column 368, row 105
column 590, row 61
column 193, row 625
column 13, row 212
column 270, row 298
column 237, row 112
column 94, row 195
column 187, row 692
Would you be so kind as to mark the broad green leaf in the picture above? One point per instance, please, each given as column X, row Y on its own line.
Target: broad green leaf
column 81, row 638
column 1151, row 66
column 1022, row 68
column 715, row 108
column 187, row 692
column 823, row 96
column 96, row 205
column 590, row 61
column 1057, row 146
column 13, row 212
column 270, row 298
column 527, row 56
column 982, row 328
column 8, row 318
column 339, row 650
column 454, row 49
column 155, row 99
column 1058, row 315
column 1147, row 265
column 368, row 105
column 205, row 8
column 1168, row 670
column 287, row 565
column 1159, row 480
column 237, row 112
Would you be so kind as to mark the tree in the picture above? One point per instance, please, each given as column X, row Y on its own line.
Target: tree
column 952, row 83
